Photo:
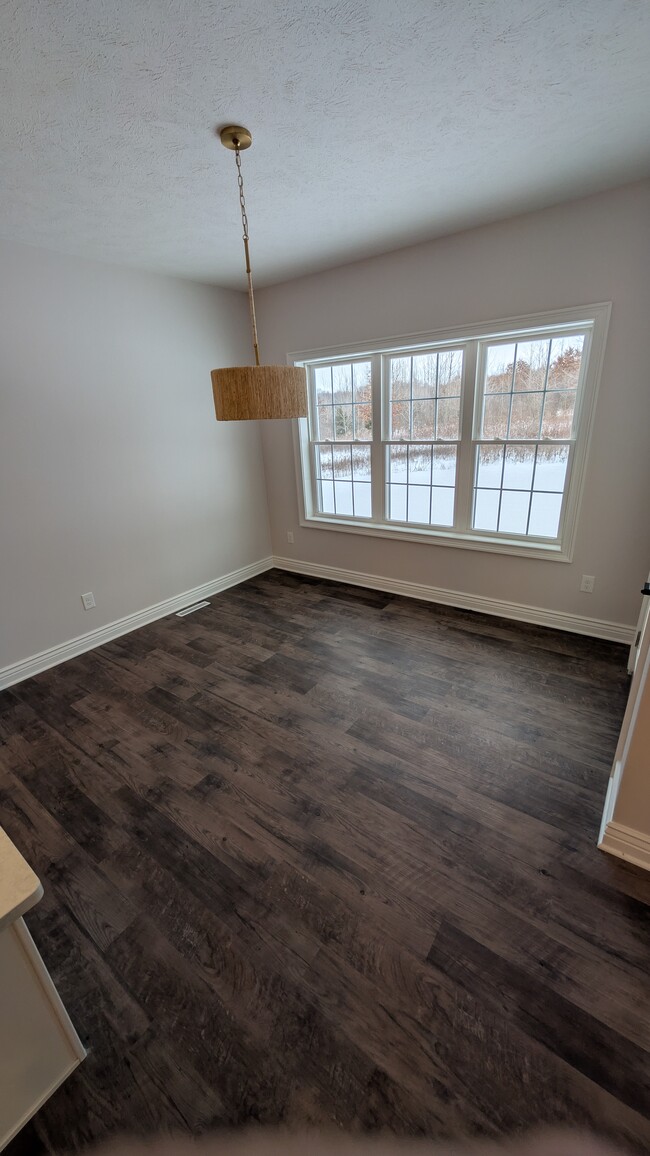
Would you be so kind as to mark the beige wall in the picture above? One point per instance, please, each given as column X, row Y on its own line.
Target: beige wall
column 114, row 475
column 596, row 249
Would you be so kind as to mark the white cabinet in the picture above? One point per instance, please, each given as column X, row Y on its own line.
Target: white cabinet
column 625, row 829
column 39, row 1047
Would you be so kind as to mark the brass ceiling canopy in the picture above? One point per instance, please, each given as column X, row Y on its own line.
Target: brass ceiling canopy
column 254, row 392
column 234, row 137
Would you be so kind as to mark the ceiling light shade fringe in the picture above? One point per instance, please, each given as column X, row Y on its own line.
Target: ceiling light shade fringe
column 255, row 392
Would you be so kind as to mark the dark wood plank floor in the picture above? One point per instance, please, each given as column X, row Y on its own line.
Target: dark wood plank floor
column 318, row 854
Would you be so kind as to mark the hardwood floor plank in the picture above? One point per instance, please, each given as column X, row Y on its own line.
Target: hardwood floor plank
column 600, row 1053
column 85, row 981
column 194, row 1104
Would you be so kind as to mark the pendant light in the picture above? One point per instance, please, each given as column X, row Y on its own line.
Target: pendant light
column 251, row 392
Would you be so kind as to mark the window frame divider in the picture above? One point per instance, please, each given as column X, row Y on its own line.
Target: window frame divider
column 464, row 460
column 377, row 456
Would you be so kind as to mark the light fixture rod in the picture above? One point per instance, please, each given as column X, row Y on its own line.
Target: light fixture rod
column 249, row 275
column 251, row 301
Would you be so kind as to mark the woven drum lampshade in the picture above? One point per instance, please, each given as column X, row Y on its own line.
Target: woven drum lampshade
column 254, row 392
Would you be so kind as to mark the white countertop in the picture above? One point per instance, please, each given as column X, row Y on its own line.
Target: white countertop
column 20, row 888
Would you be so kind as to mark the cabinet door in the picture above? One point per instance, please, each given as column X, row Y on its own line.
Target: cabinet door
column 38, row 1044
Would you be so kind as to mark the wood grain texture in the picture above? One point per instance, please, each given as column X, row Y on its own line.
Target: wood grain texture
column 323, row 855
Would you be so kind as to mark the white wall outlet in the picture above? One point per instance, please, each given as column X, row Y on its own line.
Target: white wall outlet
column 588, row 583
column 88, row 600
column 290, row 536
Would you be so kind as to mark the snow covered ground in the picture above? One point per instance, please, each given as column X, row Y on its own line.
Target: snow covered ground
column 529, row 501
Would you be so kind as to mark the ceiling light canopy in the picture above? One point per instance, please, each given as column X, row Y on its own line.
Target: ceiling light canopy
column 253, row 392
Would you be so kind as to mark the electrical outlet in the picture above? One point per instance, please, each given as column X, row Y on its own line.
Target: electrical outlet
column 588, row 583
column 290, row 536
column 88, row 600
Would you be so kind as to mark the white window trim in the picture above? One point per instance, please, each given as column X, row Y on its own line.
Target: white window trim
column 595, row 316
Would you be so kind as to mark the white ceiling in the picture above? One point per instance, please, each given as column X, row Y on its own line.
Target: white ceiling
column 376, row 123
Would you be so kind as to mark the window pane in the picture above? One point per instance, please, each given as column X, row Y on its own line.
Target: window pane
column 342, row 463
column 499, row 367
column 397, row 503
column 419, row 465
column 550, row 470
column 342, row 383
column 400, row 377
column 361, row 381
column 490, row 465
column 399, row 419
column 442, row 507
column 411, row 496
column 424, row 419
column 362, row 500
column 363, row 422
column 398, row 463
column 525, row 415
column 486, row 509
column 448, row 418
column 566, row 355
column 343, row 424
column 514, row 512
column 323, row 379
column 495, row 416
column 558, row 414
column 444, row 465
column 545, row 515
column 450, row 370
column 327, row 497
column 323, row 462
column 544, row 376
column 325, row 423
column 362, row 389
column 532, row 359
column 525, row 468
column 518, row 471
column 343, row 497
column 419, row 498
column 424, row 375
column 361, row 463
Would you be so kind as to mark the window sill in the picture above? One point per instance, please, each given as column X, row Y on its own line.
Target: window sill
column 551, row 553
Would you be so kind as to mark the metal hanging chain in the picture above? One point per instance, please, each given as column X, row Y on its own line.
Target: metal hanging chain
column 244, row 221
column 242, row 199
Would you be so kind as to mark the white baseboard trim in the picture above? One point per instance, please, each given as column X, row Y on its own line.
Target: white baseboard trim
column 556, row 619
column 633, row 846
column 28, row 667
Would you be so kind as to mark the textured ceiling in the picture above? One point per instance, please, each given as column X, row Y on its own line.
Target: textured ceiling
column 376, row 123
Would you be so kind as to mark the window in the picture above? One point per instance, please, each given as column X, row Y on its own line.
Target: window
column 477, row 438
column 424, row 396
column 525, row 433
column 342, row 424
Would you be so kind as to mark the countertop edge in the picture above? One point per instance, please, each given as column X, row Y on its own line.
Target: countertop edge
column 21, row 908
column 20, row 887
